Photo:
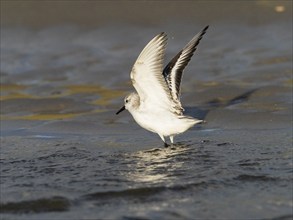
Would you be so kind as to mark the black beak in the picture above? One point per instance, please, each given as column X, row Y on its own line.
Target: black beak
column 121, row 109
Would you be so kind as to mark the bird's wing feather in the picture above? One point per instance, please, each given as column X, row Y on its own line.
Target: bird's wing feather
column 147, row 78
column 174, row 70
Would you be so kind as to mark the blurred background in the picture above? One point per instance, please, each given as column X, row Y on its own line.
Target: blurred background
column 64, row 73
column 97, row 13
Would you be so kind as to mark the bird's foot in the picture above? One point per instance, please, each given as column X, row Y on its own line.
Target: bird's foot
column 166, row 145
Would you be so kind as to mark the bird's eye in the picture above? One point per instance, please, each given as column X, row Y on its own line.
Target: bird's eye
column 126, row 101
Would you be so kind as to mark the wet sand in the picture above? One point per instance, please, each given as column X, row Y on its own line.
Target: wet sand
column 66, row 155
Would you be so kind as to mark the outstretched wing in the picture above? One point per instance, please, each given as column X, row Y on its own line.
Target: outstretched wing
column 147, row 78
column 174, row 70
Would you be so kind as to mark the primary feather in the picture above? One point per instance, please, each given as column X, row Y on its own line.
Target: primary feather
column 174, row 70
column 147, row 78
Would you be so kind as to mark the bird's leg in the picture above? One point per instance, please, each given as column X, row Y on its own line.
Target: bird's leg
column 163, row 139
column 171, row 139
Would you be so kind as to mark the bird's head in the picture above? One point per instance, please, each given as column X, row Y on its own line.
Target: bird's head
column 131, row 102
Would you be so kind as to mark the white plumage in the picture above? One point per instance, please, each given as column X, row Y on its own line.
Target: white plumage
column 156, row 106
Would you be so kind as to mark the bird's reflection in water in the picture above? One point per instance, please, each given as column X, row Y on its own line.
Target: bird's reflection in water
column 158, row 165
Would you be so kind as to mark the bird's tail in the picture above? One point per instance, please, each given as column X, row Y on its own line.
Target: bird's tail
column 192, row 121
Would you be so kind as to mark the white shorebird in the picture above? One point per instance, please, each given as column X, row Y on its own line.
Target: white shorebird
column 156, row 106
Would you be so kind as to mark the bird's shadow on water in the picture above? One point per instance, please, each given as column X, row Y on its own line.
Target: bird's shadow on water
column 170, row 147
column 201, row 113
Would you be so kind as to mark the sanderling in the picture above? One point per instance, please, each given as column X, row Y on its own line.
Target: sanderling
column 156, row 104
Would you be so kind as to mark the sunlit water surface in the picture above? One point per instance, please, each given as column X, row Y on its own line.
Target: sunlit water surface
column 66, row 155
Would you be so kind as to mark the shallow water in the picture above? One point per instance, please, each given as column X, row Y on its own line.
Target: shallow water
column 66, row 155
